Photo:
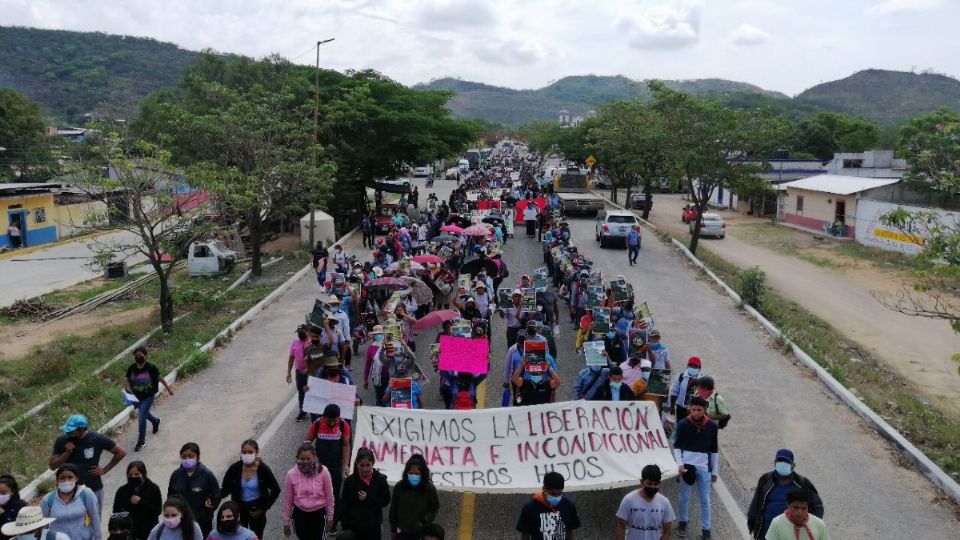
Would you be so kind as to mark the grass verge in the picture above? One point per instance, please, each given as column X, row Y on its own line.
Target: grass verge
column 27, row 381
column 881, row 389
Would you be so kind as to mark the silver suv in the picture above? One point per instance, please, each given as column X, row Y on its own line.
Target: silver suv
column 613, row 225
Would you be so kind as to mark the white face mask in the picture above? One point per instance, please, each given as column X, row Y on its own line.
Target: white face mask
column 4, row 499
column 66, row 487
column 248, row 458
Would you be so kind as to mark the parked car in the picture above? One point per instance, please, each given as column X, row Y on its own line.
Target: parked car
column 613, row 225
column 710, row 225
column 639, row 201
column 689, row 213
column 397, row 181
column 424, row 170
column 385, row 215
column 602, row 182
column 451, row 173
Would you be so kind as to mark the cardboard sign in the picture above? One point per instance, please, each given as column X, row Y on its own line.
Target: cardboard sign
column 401, row 393
column 403, row 265
column 504, row 298
column 464, row 355
column 393, row 333
column 535, row 351
column 595, row 353
column 642, row 311
column 540, row 283
column 622, row 291
column 323, row 392
column 637, row 339
column 594, row 296
column 463, row 284
column 601, row 321
column 659, row 382
column 462, row 328
column 594, row 445
column 529, row 301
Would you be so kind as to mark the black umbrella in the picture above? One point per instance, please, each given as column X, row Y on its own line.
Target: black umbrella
column 493, row 219
column 473, row 267
column 444, row 238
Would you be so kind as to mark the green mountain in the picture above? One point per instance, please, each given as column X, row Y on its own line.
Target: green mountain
column 577, row 94
column 77, row 73
column 885, row 96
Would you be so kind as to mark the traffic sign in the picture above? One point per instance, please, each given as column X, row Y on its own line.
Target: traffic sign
column 590, row 161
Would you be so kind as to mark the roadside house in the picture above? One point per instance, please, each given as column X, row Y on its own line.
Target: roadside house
column 31, row 207
column 816, row 203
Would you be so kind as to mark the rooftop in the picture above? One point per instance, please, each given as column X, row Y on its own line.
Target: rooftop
column 840, row 185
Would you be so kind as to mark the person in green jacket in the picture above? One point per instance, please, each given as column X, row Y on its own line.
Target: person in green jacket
column 414, row 502
column 797, row 522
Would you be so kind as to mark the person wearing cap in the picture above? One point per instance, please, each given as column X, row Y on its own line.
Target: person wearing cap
column 333, row 371
column 143, row 380
column 657, row 352
column 73, row 505
column 30, row 524
column 679, row 393
column 483, row 298
column 640, row 385
column 796, row 521
column 297, row 360
column 343, row 325
column 468, row 308
column 644, row 513
column 773, row 487
column 614, row 389
column 82, row 447
column 697, row 451
column 717, row 408
column 548, row 515
column 330, row 435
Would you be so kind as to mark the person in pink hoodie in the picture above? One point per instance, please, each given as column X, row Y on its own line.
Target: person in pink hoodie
column 308, row 496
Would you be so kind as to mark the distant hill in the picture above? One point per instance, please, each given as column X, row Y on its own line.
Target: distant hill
column 885, row 96
column 577, row 94
column 76, row 73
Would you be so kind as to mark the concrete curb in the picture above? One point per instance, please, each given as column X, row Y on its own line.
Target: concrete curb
column 31, row 490
column 935, row 474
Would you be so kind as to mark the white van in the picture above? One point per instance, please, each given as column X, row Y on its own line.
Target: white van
column 464, row 166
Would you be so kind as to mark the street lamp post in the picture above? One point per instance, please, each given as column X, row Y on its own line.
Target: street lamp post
column 316, row 128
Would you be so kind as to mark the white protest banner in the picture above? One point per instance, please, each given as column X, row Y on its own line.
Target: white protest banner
column 323, row 392
column 594, row 445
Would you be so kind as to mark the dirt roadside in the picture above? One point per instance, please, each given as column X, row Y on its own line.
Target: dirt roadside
column 919, row 349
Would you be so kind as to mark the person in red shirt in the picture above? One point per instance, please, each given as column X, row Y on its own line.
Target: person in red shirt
column 330, row 435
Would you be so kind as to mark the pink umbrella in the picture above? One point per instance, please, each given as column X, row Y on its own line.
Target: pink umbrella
column 477, row 230
column 428, row 259
column 436, row 318
column 452, row 229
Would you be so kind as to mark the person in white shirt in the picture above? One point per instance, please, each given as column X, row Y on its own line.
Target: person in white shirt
column 530, row 218
column 645, row 514
column 483, row 299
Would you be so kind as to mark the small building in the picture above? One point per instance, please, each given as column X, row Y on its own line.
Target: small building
column 817, row 203
column 31, row 208
column 564, row 118
column 781, row 171
column 869, row 164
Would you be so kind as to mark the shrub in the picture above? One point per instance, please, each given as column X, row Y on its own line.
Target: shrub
column 195, row 363
column 753, row 287
column 47, row 369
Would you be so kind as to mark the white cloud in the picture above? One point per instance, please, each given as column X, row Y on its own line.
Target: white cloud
column 903, row 7
column 747, row 35
column 671, row 25
column 457, row 14
column 511, row 53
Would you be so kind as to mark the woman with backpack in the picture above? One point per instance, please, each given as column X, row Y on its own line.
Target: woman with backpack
column 365, row 494
column 177, row 522
column 73, row 506
column 252, row 486
column 140, row 497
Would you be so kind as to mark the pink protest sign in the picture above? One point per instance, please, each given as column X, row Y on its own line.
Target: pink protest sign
column 464, row 354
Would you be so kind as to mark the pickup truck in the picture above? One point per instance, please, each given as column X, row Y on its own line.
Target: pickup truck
column 580, row 203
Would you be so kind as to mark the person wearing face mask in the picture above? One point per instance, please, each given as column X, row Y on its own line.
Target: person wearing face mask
column 365, row 495
column 639, row 386
column 632, row 370
column 251, row 485
column 119, row 526
column 770, row 497
column 377, row 342
column 535, row 381
column 616, row 347
column 143, row 380
column 177, row 522
column 679, row 393
column 657, row 352
column 548, row 515
column 414, row 502
column 197, row 485
column 82, row 448
column 697, row 451
column 717, row 408
column 140, row 498
column 615, row 389
column 229, row 526
column 29, row 524
column 308, row 497
column 644, row 513
column 73, row 505
column 330, row 435
column 297, row 360
column 10, row 501
column 589, row 381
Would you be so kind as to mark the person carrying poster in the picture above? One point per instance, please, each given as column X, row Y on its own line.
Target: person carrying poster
column 536, row 379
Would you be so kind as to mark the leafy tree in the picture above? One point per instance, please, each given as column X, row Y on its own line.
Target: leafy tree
column 26, row 148
column 931, row 145
column 851, row 134
column 815, row 138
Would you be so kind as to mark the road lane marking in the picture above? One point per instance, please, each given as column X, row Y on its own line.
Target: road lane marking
column 468, row 505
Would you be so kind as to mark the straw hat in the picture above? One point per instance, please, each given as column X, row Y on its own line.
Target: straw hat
column 377, row 271
column 29, row 519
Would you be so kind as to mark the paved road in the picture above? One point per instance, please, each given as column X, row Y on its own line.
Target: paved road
column 54, row 268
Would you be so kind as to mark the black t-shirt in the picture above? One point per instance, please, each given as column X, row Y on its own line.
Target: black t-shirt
column 320, row 258
column 143, row 382
column 86, row 454
column 543, row 523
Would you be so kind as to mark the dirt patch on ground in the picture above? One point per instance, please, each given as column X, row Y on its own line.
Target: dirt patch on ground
column 283, row 242
column 20, row 338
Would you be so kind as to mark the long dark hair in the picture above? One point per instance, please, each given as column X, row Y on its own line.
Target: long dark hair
column 308, row 447
column 187, row 520
column 363, row 453
column 138, row 465
column 417, row 460
column 11, row 483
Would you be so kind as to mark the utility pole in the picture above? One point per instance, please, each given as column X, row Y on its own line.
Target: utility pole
column 316, row 129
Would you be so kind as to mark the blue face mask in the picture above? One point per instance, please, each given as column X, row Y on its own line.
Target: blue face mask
column 692, row 371
column 615, row 385
column 611, row 335
column 783, row 468
column 645, row 375
column 656, row 346
column 378, row 338
column 536, row 378
column 414, row 479
column 554, row 500
column 595, row 369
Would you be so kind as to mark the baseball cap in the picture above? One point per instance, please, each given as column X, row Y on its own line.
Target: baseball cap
column 694, row 361
column 784, row 455
column 75, row 422
column 646, row 364
column 654, row 333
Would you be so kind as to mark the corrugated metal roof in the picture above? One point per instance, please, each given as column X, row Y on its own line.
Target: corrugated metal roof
column 840, row 185
column 25, row 185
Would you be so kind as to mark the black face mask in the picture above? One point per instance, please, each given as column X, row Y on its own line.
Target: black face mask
column 227, row 525
column 119, row 536
column 140, row 359
column 134, row 480
column 651, row 491
column 315, row 341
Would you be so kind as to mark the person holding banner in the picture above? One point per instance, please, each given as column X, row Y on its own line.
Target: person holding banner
column 415, row 501
column 308, row 497
column 548, row 515
column 365, row 495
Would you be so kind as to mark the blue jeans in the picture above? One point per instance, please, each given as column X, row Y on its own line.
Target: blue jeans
column 634, row 251
column 702, row 484
column 143, row 414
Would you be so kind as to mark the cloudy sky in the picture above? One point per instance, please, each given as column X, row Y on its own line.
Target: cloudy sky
column 785, row 45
